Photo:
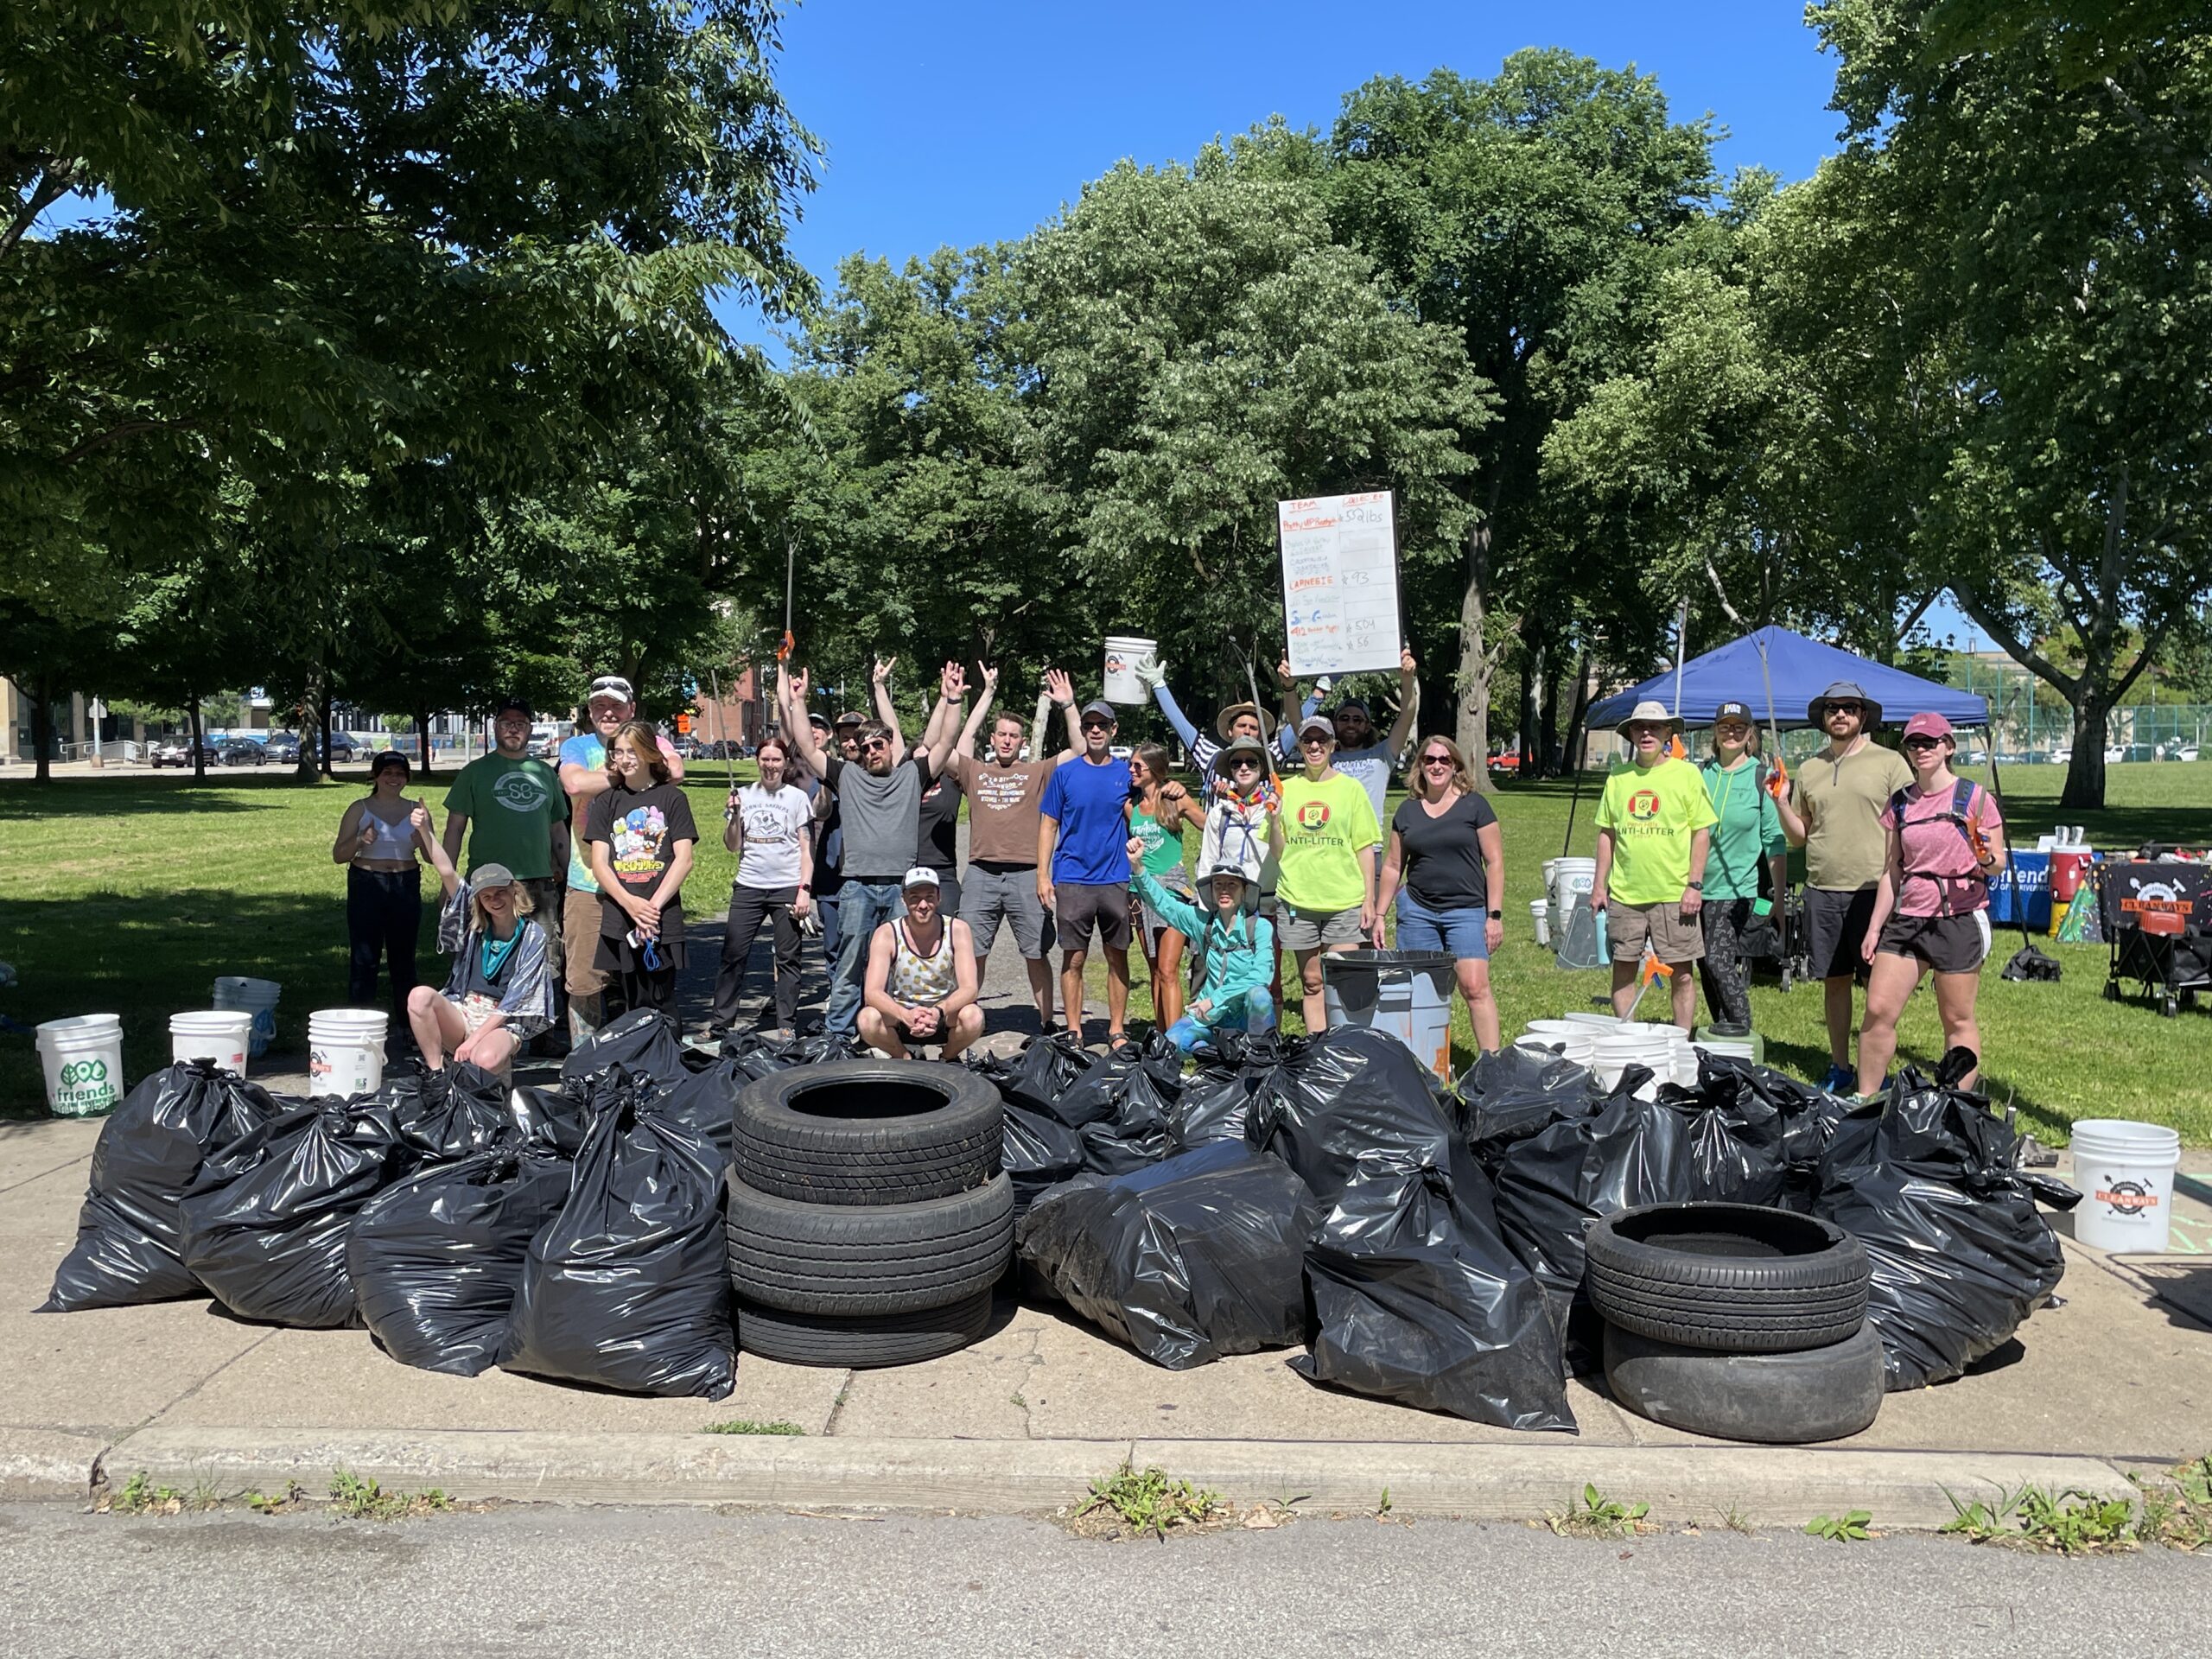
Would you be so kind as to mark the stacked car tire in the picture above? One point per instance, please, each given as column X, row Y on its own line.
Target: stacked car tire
column 1736, row 1320
column 868, row 1216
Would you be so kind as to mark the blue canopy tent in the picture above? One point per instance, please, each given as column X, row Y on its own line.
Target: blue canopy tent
column 1801, row 669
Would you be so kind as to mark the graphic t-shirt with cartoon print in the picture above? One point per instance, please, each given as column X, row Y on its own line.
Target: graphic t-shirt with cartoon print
column 641, row 828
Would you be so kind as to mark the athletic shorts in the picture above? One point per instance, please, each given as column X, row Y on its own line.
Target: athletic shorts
column 1005, row 893
column 1673, row 936
column 1949, row 944
column 1835, row 929
column 1312, row 930
column 1078, row 907
column 1152, row 922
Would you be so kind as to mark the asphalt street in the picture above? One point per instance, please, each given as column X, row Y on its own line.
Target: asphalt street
column 667, row 1582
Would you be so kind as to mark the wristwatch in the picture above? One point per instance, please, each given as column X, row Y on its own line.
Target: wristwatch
column 1695, row 886
column 1497, row 915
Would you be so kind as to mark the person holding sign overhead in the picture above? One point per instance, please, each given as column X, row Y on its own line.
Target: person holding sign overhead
column 1358, row 755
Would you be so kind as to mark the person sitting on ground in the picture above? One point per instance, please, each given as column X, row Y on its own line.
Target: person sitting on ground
column 1328, row 845
column 1358, row 755
column 1239, row 720
column 500, row 992
column 1931, row 907
column 642, row 836
column 1654, row 829
column 922, row 983
column 1236, row 946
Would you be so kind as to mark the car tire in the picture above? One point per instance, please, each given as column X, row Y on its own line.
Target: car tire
column 1792, row 1399
column 1727, row 1278
column 860, row 1131
column 856, row 1259
column 858, row 1344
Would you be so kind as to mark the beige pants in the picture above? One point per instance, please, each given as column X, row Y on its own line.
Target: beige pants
column 580, row 918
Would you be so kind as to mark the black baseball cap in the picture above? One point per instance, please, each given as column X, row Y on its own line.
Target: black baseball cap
column 1101, row 708
column 511, row 705
column 390, row 758
column 1732, row 710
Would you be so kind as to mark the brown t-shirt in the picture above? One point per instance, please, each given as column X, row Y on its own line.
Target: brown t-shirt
column 1842, row 803
column 1003, row 807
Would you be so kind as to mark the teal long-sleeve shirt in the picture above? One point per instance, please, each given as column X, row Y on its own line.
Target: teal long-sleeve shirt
column 1748, row 830
column 1240, row 954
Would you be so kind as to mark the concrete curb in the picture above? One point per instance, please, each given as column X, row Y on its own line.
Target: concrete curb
column 1767, row 1486
column 42, row 1463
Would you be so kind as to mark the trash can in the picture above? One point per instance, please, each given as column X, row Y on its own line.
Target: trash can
column 1407, row 994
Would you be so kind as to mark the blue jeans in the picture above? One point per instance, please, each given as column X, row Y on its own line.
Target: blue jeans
column 1459, row 931
column 862, row 907
column 1257, row 1013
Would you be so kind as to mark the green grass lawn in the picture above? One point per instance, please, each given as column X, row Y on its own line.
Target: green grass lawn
column 129, row 894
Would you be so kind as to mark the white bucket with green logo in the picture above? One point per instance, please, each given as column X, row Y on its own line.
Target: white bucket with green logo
column 83, row 1057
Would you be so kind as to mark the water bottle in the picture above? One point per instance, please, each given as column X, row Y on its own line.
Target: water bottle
column 1604, row 952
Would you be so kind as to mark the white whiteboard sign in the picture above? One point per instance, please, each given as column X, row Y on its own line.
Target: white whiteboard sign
column 1340, row 583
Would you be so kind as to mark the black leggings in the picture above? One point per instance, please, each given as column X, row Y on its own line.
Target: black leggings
column 749, row 908
column 383, row 912
column 1726, row 975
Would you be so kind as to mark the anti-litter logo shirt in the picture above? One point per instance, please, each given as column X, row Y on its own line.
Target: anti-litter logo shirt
column 1653, row 813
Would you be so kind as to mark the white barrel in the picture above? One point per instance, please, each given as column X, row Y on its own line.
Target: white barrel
column 1540, row 916
column 223, row 1035
column 2125, row 1172
column 1573, row 878
column 1123, row 652
column 255, row 996
column 346, row 1051
column 83, row 1059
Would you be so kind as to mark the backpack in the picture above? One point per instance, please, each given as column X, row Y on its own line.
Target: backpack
column 1962, row 804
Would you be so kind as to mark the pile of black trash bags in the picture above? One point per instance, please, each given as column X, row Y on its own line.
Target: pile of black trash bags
column 1426, row 1246
column 572, row 1232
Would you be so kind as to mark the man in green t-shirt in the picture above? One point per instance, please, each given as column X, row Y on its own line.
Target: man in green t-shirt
column 1834, row 810
column 513, row 801
column 1654, row 828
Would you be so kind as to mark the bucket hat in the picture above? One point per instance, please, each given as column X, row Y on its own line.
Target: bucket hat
column 1845, row 691
column 1650, row 712
column 1221, row 721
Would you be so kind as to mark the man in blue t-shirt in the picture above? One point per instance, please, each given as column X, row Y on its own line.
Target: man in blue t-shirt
column 584, row 777
column 1082, row 865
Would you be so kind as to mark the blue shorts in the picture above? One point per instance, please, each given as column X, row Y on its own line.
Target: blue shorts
column 1461, row 931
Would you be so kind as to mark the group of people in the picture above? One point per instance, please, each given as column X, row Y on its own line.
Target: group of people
column 1899, row 854
column 851, row 834
column 610, row 818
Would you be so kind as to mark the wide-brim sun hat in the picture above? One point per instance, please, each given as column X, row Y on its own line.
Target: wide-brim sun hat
column 1222, row 720
column 1650, row 712
column 1845, row 691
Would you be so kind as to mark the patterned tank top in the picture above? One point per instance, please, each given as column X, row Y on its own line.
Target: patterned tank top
column 916, row 980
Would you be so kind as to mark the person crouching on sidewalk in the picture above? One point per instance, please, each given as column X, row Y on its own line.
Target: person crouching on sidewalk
column 921, row 983
column 1654, row 829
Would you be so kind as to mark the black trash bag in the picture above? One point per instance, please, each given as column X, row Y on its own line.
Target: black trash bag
column 151, row 1150
column 450, row 1113
column 1351, row 1102
column 1040, row 1074
column 554, row 1121
column 1551, row 1185
column 1928, row 1181
column 1414, row 1296
column 1216, row 1104
column 628, row 1287
column 1737, row 1138
column 265, row 1225
column 1513, row 1094
column 1191, row 1259
column 705, row 1102
column 757, row 1055
column 437, row 1259
column 644, row 1041
column 1037, row 1152
column 1123, row 1109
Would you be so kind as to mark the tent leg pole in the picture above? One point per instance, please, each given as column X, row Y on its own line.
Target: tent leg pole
column 2011, row 876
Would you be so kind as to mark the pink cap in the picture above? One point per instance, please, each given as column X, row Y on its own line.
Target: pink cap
column 1928, row 726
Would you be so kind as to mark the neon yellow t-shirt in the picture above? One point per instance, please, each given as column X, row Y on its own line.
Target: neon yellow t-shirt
column 1653, row 813
column 1324, row 827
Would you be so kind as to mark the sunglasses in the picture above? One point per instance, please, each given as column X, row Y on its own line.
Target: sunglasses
column 1096, row 726
column 875, row 743
column 1436, row 760
column 1847, row 708
column 1924, row 742
column 1244, row 763
column 1309, row 741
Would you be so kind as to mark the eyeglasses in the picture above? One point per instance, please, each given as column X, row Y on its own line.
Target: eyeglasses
column 1443, row 761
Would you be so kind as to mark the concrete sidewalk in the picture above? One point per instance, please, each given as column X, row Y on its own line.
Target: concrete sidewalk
column 2119, row 1376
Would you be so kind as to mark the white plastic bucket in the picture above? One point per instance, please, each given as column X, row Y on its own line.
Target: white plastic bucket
column 222, row 1035
column 2125, row 1172
column 255, row 996
column 1570, row 877
column 346, row 1051
column 1593, row 1019
column 83, row 1058
column 1540, row 916
column 1123, row 652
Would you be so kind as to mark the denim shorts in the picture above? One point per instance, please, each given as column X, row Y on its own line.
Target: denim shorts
column 1461, row 931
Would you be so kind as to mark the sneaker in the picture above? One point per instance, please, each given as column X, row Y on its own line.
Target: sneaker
column 1839, row 1081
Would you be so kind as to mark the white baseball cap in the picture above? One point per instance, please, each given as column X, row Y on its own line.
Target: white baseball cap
column 920, row 876
column 611, row 685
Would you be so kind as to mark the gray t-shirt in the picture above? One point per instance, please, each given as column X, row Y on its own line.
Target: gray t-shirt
column 773, row 824
column 881, row 816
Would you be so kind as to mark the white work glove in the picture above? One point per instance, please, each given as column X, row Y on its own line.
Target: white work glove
column 1151, row 672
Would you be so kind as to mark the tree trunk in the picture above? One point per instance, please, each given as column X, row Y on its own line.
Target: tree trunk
column 1578, row 715
column 2085, row 771
column 1547, row 723
column 1476, row 663
column 1532, row 685
column 193, row 720
column 422, row 739
column 41, row 730
column 322, row 708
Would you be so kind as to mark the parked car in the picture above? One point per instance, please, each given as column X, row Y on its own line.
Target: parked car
column 175, row 752
column 282, row 746
column 240, row 752
column 342, row 747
